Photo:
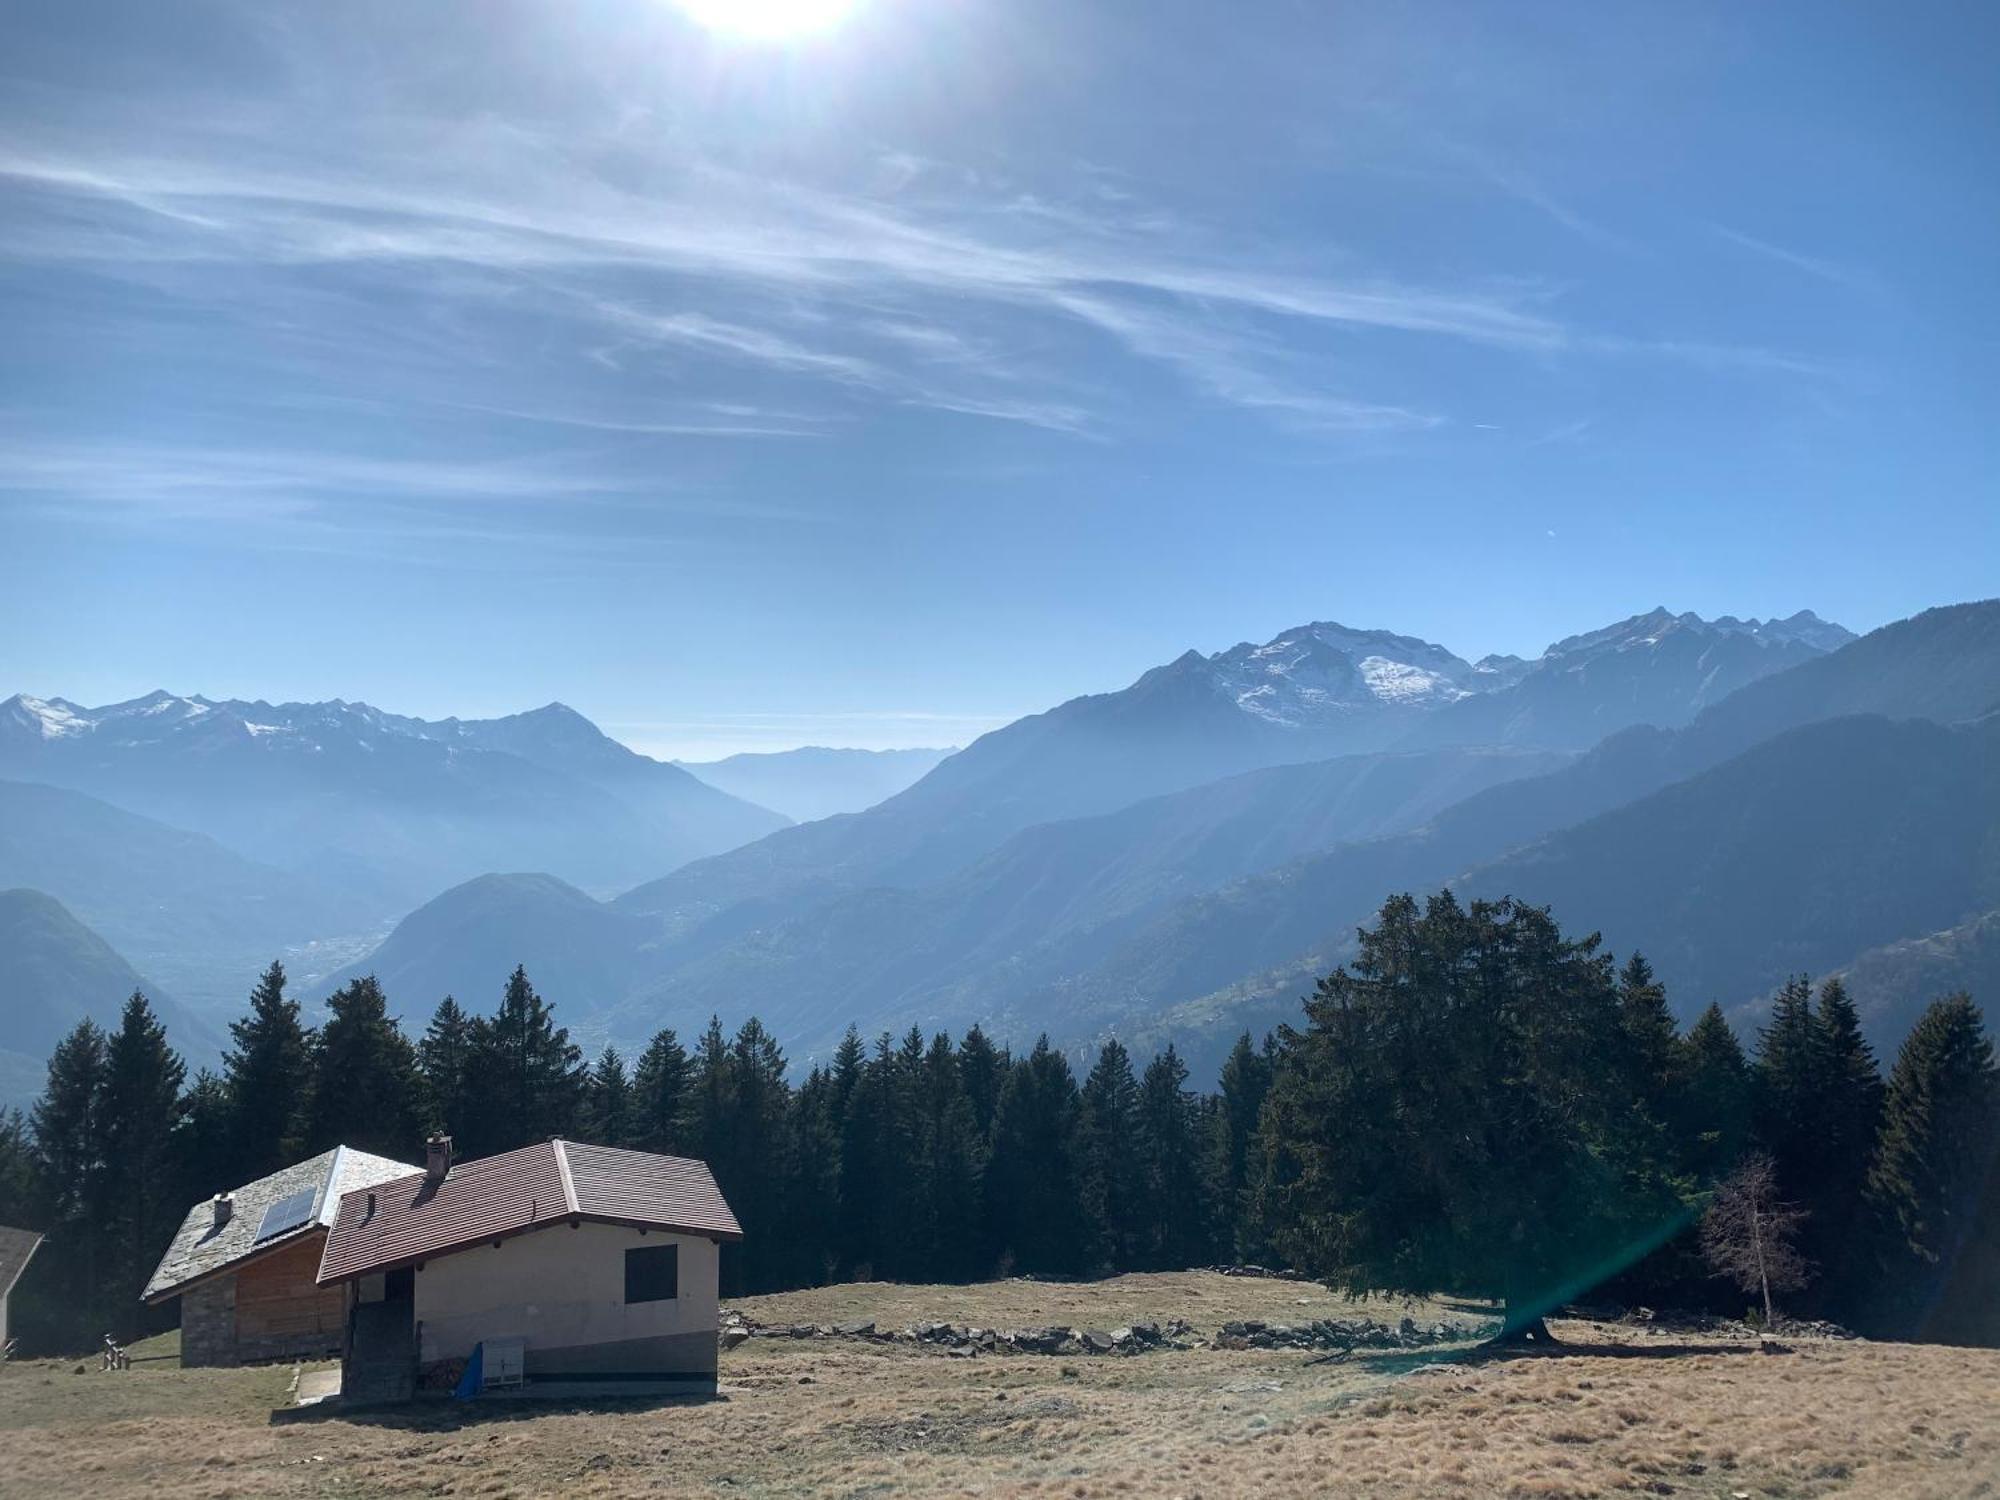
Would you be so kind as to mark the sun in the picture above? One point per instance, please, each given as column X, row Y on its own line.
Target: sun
column 766, row 20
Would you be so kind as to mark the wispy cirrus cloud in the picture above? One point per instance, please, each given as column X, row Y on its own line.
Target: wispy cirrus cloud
column 1815, row 266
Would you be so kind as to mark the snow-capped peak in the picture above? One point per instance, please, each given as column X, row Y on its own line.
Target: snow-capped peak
column 51, row 718
column 1321, row 670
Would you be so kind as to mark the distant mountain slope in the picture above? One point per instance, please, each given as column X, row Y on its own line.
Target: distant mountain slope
column 196, row 916
column 1054, row 897
column 1048, row 897
column 54, row 972
column 389, row 809
column 1312, row 693
column 816, row 782
column 1792, row 857
column 1246, row 949
column 581, row 952
column 1892, row 984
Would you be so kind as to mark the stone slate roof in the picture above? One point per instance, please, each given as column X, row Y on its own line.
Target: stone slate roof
column 402, row 1222
column 17, row 1246
column 200, row 1249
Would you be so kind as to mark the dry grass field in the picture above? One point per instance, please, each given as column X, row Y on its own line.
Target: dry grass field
column 1618, row 1412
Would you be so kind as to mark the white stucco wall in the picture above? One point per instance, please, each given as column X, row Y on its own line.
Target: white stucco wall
column 559, row 1287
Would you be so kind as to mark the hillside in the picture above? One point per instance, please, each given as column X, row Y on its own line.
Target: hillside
column 54, row 972
column 199, row 918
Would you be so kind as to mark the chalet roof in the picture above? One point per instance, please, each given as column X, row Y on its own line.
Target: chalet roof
column 17, row 1247
column 200, row 1249
column 414, row 1219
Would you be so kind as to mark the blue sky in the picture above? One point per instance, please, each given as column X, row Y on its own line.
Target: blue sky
column 878, row 385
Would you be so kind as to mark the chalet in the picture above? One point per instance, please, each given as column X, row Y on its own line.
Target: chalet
column 559, row 1267
column 244, row 1263
column 17, row 1248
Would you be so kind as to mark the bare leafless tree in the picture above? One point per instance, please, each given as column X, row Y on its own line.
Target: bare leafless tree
column 1748, row 1235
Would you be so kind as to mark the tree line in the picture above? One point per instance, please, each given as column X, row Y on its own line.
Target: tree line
column 1476, row 1104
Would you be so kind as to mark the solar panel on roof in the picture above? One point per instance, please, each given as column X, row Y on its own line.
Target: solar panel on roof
column 287, row 1213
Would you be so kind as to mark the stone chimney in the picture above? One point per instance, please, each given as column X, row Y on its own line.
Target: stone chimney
column 225, row 1208
column 437, row 1158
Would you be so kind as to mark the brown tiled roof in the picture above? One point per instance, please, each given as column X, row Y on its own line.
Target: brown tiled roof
column 16, row 1248
column 497, row 1196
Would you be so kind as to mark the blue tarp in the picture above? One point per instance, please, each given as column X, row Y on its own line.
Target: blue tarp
column 475, row 1374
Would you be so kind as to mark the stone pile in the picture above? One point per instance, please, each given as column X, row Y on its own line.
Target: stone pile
column 1137, row 1338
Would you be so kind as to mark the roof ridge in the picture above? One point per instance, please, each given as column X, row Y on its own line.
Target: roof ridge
column 562, row 1171
column 329, row 1190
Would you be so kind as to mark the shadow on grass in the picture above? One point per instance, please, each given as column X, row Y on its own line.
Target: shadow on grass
column 437, row 1414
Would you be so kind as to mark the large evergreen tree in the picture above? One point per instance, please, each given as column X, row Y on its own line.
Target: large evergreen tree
column 1712, row 1120
column 141, row 1107
column 70, row 1166
column 609, row 1116
column 528, row 1077
column 367, row 1092
column 1174, row 1209
column 1939, row 1140
column 1848, row 1113
column 1246, row 1079
column 1452, row 1116
column 1031, row 1181
column 1109, row 1183
column 267, row 1076
column 660, row 1097
column 444, row 1055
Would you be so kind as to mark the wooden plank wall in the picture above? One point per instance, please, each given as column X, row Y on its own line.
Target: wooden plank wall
column 276, row 1298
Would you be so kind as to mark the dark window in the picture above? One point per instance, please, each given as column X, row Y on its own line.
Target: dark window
column 653, row 1274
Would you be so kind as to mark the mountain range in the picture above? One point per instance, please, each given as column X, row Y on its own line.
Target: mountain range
column 1173, row 860
column 388, row 808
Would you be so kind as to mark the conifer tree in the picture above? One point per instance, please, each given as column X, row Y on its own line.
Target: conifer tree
column 983, row 1068
column 864, row 1101
column 267, row 1074
column 1246, row 1079
column 17, row 1170
column 660, row 1096
column 752, row 1164
column 955, row 1170
column 1712, row 1121
column 1787, row 1081
column 1109, row 1182
column 1646, row 1025
column 141, row 1107
column 1174, row 1211
column 528, row 1077
column 367, row 1092
column 1940, row 1134
column 1847, row 1116
column 67, row 1141
column 812, row 1199
column 1447, row 1118
column 444, row 1055
column 204, row 1145
column 610, row 1121
column 1031, row 1181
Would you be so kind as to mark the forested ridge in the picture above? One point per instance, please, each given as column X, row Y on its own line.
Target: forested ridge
column 1477, row 1104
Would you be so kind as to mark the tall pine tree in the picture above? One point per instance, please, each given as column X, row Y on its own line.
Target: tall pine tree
column 1939, row 1243
column 267, row 1075
column 367, row 1092
column 528, row 1077
column 444, row 1055
column 1032, row 1204
column 141, row 1107
column 660, row 1097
